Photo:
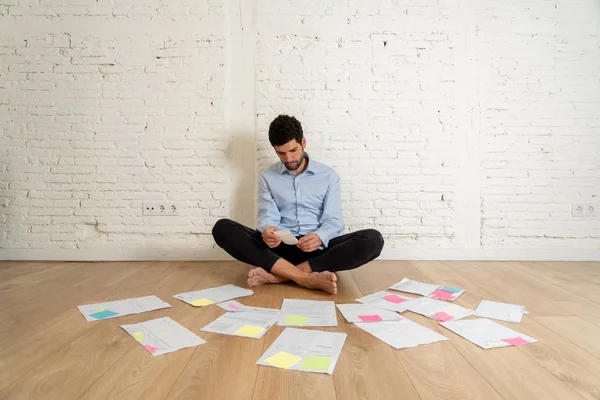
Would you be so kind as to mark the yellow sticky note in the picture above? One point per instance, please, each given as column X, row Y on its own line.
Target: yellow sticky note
column 249, row 330
column 496, row 344
column 138, row 336
column 295, row 320
column 283, row 360
column 100, row 309
column 201, row 302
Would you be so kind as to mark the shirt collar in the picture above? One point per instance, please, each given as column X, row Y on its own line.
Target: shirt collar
column 312, row 166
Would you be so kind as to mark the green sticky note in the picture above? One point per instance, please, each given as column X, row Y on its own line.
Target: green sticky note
column 139, row 336
column 295, row 320
column 316, row 363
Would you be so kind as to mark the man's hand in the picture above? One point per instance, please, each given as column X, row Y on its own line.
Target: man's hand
column 270, row 238
column 309, row 243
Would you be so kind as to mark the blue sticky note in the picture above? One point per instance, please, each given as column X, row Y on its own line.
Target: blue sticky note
column 450, row 289
column 103, row 314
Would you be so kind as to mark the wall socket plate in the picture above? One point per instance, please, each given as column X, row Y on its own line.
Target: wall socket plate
column 585, row 209
column 163, row 209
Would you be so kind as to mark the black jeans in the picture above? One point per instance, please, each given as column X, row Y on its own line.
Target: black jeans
column 344, row 252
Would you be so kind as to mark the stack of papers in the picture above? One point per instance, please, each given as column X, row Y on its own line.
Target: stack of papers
column 201, row 298
column 305, row 350
column 440, row 310
column 487, row 334
column 366, row 313
column 162, row 335
column 307, row 313
column 112, row 309
column 401, row 334
column 389, row 301
column 501, row 311
column 251, row 322
column 446, row 293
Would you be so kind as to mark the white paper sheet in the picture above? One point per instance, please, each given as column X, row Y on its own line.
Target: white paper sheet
column 162, row 335
column 251, row 324
column 305, row 350
column 232, row 305
column 389, row 301
column 401, row 334
column 205, row 297
column 287, row 237
column 440, row 310
column 487, row 334
column 119, row 308
column 409, row 286
column 500, row 311
column 366, row 313
column 307, row 313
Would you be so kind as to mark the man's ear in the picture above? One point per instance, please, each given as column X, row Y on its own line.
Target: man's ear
column 303, row 141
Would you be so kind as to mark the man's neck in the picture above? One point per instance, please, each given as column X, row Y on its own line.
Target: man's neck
column 302, row 166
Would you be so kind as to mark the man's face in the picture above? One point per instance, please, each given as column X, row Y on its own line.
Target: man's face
column 291, row 154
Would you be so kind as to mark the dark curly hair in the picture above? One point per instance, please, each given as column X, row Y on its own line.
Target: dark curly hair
column 283, row 129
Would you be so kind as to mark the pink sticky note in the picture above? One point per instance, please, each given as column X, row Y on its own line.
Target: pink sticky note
column 370, row 318
column 443, row 317
column 234, row 306
column 516, row 341
column 392, row 298
column 442, row 295
column 150, row 348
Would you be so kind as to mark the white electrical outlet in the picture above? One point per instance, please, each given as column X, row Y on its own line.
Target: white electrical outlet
column 578, row 210
column 165, row 209
column 584, row 210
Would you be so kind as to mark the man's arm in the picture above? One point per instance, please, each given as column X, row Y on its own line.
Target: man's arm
column 332, row 220
column 268, row 213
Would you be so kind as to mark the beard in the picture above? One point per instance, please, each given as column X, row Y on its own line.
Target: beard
column 295, row 164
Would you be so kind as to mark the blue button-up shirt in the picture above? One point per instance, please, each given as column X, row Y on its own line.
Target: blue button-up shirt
column 305, row 203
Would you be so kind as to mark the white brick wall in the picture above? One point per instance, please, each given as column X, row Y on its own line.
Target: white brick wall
column 105, row 105
column 464, row 126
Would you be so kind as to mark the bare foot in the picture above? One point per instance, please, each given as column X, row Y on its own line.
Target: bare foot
column 305, row 267
column 258, row 276
column 326, row 281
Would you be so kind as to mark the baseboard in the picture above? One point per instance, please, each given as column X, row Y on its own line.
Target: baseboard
column 219, row 255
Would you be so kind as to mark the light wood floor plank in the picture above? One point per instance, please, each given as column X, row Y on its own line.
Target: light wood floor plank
column 224, row 367
column 50, row 352
column 367, row 367
column 436, row 370
column 565, row 361
column 139, row 375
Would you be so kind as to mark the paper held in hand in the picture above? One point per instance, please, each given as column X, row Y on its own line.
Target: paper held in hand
column 287, row 237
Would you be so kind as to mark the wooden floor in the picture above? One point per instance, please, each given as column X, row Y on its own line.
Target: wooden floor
column 48, row 350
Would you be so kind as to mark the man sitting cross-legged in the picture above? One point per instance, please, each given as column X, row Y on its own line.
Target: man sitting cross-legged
column 303, row 196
